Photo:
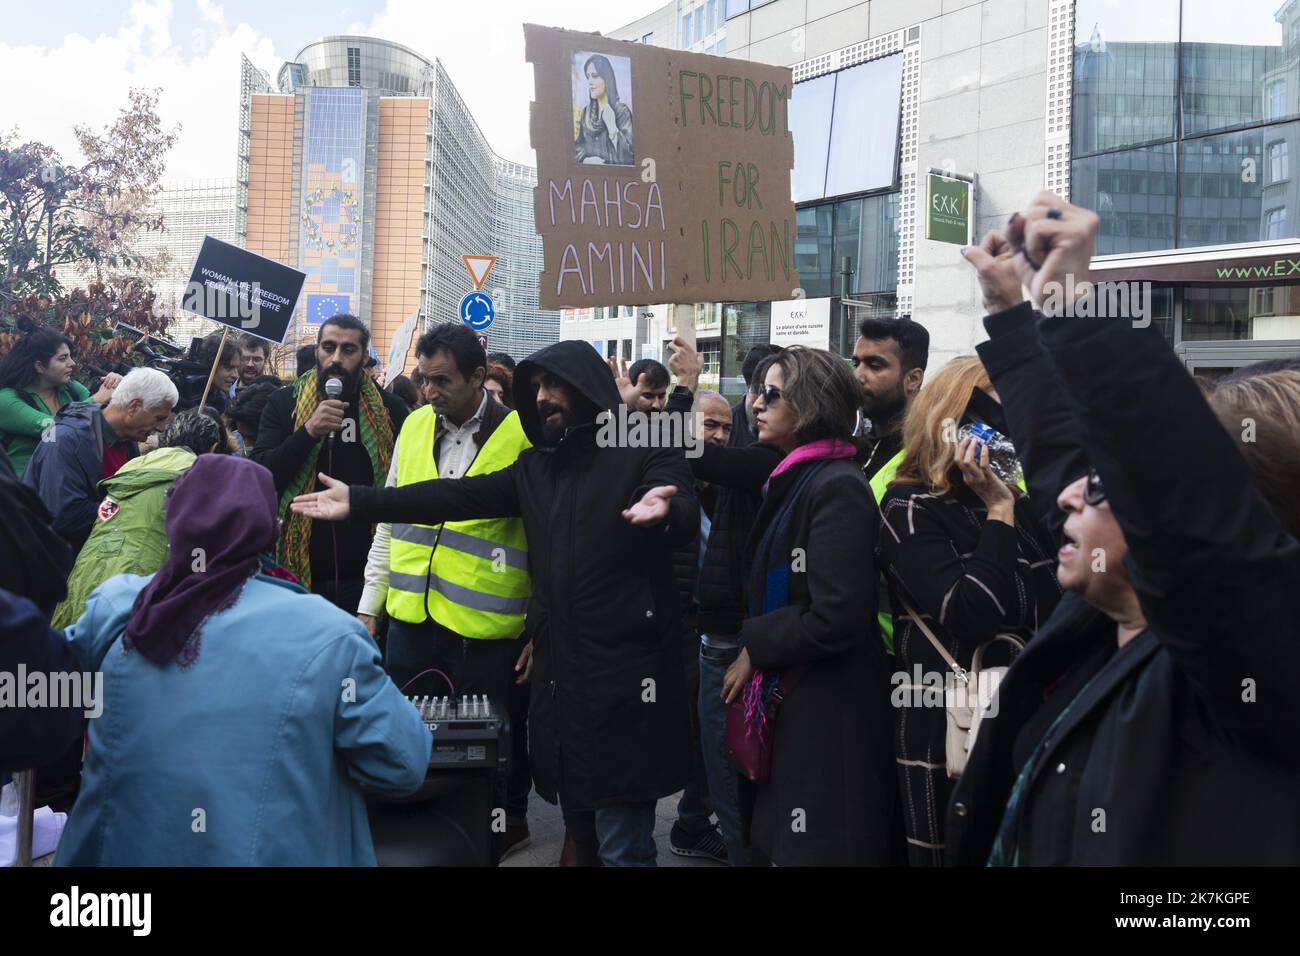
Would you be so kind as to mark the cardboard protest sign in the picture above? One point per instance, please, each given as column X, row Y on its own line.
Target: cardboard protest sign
column 242, row 290
column 662, row 176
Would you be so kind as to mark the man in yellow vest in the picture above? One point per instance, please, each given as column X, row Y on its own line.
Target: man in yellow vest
column 455, row 592
column 889, row 362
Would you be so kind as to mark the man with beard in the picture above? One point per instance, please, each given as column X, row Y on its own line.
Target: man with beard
column 608, row 721
column 889, row 362
column 303, row 434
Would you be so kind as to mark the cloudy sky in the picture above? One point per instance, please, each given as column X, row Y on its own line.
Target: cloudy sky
column 72, row 62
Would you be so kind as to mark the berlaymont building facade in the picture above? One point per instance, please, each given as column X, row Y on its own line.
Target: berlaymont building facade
column 361, row 165
column 1174, row 119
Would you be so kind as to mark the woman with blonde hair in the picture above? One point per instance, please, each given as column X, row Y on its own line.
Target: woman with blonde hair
column 964, row 555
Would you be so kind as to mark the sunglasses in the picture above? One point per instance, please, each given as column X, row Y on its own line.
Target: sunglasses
column 1093, row 493
column 771, row 394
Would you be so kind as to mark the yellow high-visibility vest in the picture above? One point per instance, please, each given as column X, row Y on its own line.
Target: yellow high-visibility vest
column 879, row 485
column 469, row 576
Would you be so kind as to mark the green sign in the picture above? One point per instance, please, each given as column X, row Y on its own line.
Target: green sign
column 947, row 209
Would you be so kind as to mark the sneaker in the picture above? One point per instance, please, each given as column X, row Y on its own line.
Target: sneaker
column 706, row 845
column 515, row 838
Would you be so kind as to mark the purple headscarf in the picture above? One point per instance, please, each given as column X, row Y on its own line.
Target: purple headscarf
column 224, row 506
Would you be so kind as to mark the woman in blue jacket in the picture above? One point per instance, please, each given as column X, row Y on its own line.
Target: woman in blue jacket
column 240, row 715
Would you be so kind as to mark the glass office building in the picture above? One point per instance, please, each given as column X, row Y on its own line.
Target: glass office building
column 365, row 169
column 1184, row 129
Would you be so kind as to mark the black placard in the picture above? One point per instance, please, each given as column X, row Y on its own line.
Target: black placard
column 245, row 291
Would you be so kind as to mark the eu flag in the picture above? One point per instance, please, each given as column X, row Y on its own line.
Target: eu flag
column 322, row 307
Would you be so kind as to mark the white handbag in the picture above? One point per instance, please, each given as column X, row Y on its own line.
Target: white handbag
column 974, row 692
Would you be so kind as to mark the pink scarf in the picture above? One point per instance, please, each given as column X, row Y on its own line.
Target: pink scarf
column 823, row 449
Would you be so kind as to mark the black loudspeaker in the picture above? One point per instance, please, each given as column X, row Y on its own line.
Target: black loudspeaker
column 448, row 821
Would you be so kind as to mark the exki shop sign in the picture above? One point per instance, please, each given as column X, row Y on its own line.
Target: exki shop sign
column 1246, row 269
column 947, row 209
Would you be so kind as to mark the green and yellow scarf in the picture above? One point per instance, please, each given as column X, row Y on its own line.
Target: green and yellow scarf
column 377, row 437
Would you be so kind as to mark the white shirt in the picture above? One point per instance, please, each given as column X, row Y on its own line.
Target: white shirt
column 455, row 455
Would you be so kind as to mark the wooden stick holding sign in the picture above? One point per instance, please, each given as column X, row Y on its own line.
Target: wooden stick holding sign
column 212, row 373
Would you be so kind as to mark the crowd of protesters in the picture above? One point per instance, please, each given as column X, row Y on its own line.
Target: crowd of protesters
column 1067, row 520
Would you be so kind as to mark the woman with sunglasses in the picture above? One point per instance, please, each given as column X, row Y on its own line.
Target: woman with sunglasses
column 1153, row 719
column 966, row 560
column 811, row 634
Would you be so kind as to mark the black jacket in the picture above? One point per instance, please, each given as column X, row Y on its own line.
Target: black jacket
column 608, row 721
column 738, row 471
column 714, row 592
column 832, row 797
column 282, row 449
column 34, row 736
column 971, row 579
column 1182, row 750
column 686, row 562
column 67, row 469
column 34, row 566
column 879, row 451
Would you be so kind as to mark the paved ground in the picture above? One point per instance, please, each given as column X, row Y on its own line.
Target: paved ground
column 547, row 827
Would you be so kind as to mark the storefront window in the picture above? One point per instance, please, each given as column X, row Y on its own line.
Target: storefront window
column 746, row 324
column 813, row 246
column 1232, row 191
column 1277, row 161
column 1125, row 73
column 1275, row 223
column 1162, row 178
column 866, row 231
column 1216, row 313
column 1133, row 193
column 1235, row 66
column 811, row 104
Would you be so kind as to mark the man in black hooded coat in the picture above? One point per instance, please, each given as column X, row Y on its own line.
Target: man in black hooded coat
column 607, row 725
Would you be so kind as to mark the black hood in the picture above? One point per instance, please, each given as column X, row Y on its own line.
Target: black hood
column 578, row 364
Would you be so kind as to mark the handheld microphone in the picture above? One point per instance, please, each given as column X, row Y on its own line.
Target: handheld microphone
column 333, row 389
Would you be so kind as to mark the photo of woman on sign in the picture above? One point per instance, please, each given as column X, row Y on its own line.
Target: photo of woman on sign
column 602, row 119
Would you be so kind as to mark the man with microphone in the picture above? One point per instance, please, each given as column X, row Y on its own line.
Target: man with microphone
column 331, row 420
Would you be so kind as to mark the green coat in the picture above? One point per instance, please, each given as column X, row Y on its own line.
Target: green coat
column 129, row 536
column 24, row 418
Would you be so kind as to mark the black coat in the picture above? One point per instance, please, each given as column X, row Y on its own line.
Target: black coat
column 970, row 579
column 282, row 449
column 832, row 797
column 1165, row 759
column 608, row 718
column 738, row 471
column 686, row 563
column 34, row 736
